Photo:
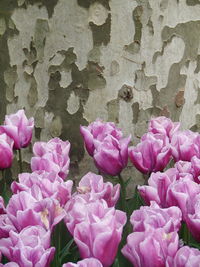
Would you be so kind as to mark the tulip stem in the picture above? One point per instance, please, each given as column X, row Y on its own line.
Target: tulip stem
column 20, row 161
column 4, row 193
column 122, row 193
column 186, row 234
column 3, row 180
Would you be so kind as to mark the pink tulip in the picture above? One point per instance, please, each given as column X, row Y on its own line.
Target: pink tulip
column 91, row 262
column 24, row 210
column 77, row 208
column 92, row 187
column 51, row 213
column 195, row 166
column 193, row 215
column 10, row 264
column 152, row 154
column 52, row 156
column 181, row 193
column 185, row 145
column 184, row 169
column 21, row 213
column 97, row 229
column 98, row 130
column 163, row 125
column 5, row 226
column 48, row 184
column 18, row 128
column 158, row 187
column 111, row 155
column 151, row 248
column 2, row 206
column 168, row 219
column 6, row 152
column 186, row 257
column 28, row 248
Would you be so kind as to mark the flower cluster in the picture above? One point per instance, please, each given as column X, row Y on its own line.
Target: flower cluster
column 93, row 220
column 94, row 212
column 43, row 198
column 172, row 196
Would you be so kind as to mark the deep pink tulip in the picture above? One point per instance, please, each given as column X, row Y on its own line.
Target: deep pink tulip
column 164, row 126
column 18, row 128
column 92, row 187
column 97, row 229
column 157, row 187
column 152, row 154
column 48, row 184
column 181, row 193
column 6, row 152
column 151, row 248
column 185, row 145
column 98, row 130
column 29, row 248
column 186, row 257
column 168, row 219
column 91, row 262
column 111, row 155
column 52, row 156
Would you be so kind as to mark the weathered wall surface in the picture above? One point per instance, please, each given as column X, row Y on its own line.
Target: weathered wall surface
column 68, row 62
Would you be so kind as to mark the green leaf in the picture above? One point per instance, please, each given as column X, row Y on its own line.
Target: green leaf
column 195, row 245
column 135, row 203
column 116, row 263
column 121, row 261
column 66, row 250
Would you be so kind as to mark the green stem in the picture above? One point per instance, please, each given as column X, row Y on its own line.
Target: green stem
column 4, row 192
column 122, row 193
column 4, row 181
column 20, row 161
column 186, row 234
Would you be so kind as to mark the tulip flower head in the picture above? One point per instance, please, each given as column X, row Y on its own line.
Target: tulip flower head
column 104, row 142
column 164, row 126
column 152, row 154
column 90, row 262
column 6, row 152
column 18, row 128
column 98, row 130
column 52, row 156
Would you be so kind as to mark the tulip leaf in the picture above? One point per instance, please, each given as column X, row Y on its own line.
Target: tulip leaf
column 121, row 261
column 135, row 202
column 66, row 250
column 194, row 245
column 116, row 263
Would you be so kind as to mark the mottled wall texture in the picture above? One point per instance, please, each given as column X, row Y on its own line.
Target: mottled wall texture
column 68, row 62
